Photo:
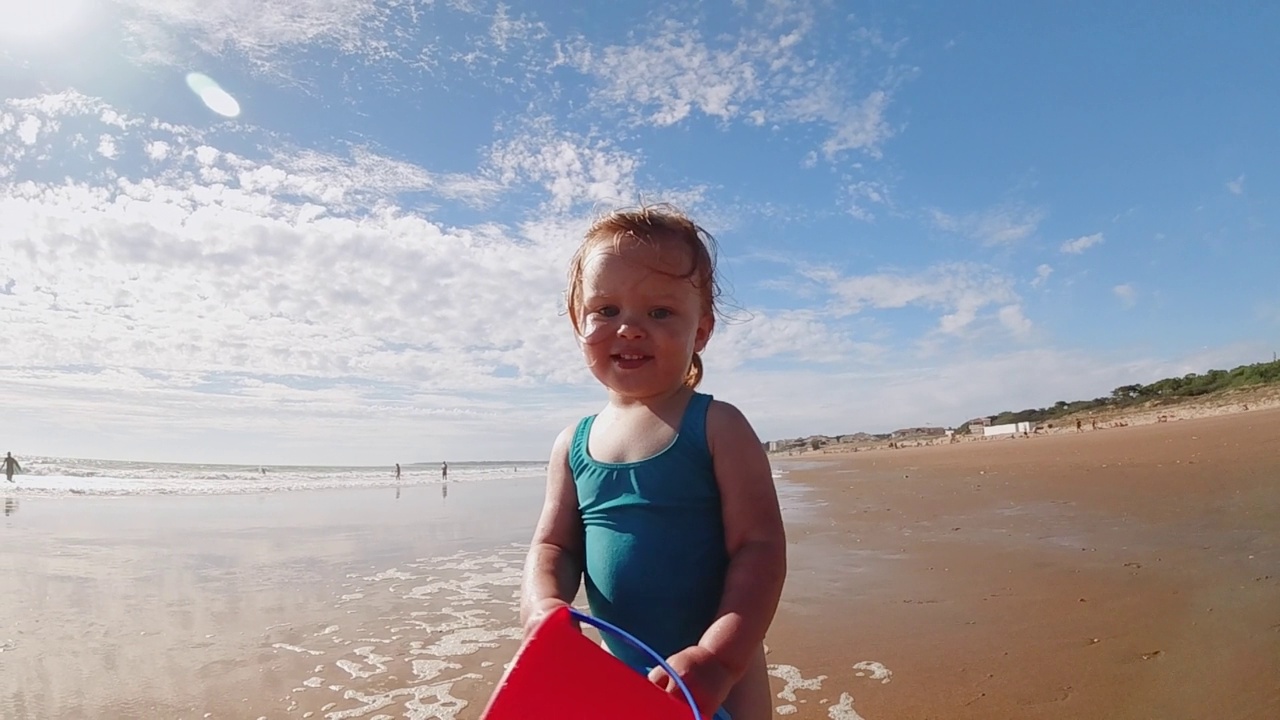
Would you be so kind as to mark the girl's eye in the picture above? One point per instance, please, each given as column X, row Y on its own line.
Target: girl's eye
column 660, row 313
column 607, row 311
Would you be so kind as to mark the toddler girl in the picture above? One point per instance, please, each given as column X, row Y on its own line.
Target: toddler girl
column 663, row 502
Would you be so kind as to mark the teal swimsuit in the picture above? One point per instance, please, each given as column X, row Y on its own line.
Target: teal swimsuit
column 655, row 554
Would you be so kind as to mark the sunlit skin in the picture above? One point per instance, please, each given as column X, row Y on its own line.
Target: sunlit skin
column 642, row 323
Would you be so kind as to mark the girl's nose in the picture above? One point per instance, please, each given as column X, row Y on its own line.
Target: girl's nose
column 630, row 328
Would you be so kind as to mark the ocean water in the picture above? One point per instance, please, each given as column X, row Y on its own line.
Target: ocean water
column 54, row 477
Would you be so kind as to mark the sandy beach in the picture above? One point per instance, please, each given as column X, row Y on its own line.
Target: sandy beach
column 1126, row 573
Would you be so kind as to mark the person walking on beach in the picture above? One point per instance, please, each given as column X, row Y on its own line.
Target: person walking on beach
column 397, row 471
column 664, row 501
column 11, row 466
column 444, row 471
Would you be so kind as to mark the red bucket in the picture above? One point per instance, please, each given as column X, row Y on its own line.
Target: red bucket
column 560, row 674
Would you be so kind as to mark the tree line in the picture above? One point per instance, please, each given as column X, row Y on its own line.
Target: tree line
column 1169, row 389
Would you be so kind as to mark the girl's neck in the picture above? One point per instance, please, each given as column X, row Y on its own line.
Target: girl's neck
column 653, row 403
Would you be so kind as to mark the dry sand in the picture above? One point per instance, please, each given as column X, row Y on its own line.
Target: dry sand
column 1130, row 573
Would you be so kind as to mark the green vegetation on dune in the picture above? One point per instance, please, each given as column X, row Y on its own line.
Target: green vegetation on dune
column 1168, row 390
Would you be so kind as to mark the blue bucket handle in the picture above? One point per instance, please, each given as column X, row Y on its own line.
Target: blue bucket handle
column 636, row 643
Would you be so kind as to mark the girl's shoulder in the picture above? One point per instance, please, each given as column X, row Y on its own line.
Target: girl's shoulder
column 721, row 411
column 727, row 426
column 563, row 442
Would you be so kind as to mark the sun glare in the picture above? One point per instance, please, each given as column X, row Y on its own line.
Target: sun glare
column 212, row 95
column 25, row 22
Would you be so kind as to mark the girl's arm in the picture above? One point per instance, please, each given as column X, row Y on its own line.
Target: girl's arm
column 553, row 568
column 757, row 546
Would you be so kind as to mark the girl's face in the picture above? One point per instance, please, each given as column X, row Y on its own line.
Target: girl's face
column 641, row 321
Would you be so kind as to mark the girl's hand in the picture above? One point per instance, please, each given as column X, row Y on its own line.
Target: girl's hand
column 708, row 679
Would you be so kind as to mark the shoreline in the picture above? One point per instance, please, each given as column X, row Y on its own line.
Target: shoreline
column 1123, row 575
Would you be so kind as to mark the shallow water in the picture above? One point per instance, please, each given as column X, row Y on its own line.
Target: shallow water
column 56, row 477
column 366, row 603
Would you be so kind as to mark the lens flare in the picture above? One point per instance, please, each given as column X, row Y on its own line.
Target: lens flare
column 212, row 95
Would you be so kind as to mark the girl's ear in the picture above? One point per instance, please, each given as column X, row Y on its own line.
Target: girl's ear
column 706, row 324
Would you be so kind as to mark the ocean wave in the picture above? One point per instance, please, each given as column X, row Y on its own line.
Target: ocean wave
column 54, row 477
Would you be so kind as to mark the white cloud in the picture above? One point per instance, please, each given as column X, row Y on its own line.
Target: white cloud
column 1042, row 275
column 158, row 150
column 769, row 72
column 29, row 129
column 796, row 335
column 1014, row 321
column 1236, row 187
column 107, row 147
column 115, row 119
column 1080, row 244
column 206, row 155
column 858, row 126
column 1127, row 293
column 506, row 29
column 1002, row 225
column 959, row 291
column 162, row 27
column 573, row 170
column 672, row 75
column 221, row 276
column 403, row 42
column 364, row 173
column 865, row 194
column 69, row 102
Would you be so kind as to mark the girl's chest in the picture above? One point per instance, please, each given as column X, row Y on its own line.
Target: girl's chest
column 625, row 439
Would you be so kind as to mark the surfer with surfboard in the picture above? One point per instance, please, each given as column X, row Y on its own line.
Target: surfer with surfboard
column 662, row 503
column 11, row 466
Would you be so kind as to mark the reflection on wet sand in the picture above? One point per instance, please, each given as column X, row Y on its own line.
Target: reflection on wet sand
column 175, row 607
column 341, row 604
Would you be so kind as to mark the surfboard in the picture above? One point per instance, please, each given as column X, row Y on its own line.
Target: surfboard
column 560, row 674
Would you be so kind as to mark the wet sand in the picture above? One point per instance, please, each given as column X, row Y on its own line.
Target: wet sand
column 234, row 606
column 1128, row 573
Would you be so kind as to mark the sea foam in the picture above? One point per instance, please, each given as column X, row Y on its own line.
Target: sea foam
column 55, row 477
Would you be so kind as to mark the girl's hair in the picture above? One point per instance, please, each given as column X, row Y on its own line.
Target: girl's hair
column 657, row 225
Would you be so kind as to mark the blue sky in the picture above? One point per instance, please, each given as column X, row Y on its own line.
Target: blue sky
column 924, row 212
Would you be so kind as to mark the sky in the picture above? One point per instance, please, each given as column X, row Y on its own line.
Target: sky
column 336, row 231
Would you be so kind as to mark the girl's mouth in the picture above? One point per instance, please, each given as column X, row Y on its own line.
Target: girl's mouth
column 629, row 361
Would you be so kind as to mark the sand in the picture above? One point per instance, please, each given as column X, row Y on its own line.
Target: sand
column 1126, row 573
